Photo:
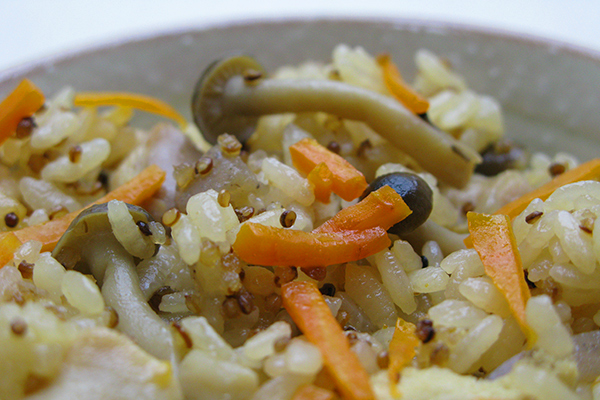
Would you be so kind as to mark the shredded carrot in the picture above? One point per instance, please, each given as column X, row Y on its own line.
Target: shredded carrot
column 22, row 102
column 312, row 392
column 140, row 188
column 266, row 245
column 9, row 243
column 402, row 350
column 587, row 171
column 308, row 310
column 133, row 100
column 347, row 182
column 322, row 179
column 495, row 242
column 381, row 208
column 399, row 89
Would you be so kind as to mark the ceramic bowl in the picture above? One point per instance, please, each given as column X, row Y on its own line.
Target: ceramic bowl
column 550, row 91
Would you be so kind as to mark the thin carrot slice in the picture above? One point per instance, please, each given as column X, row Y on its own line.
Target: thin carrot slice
column 9, row 243
column 322, row 179
column 381, row 208
column 312, row 392
column 269, row 246
column 22, row 102
column 587, row 171
column 399, row 89
column 495, row 242
column 308, row 310
column 133, row 100
column 402, row 350
column 140, row 188
column 347, row 182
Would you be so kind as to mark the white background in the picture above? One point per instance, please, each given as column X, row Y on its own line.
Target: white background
column 37, row 28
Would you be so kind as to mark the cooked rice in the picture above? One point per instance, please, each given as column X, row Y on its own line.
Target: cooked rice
column 229, row 336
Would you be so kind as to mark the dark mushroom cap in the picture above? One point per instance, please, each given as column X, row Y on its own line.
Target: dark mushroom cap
column 91, row 227
column 210, row 110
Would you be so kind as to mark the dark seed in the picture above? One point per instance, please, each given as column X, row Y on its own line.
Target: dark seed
column 244, row 213
column 363, row 147
column 203, row 166
column 26, row 269
column 334, row 147
column 75, row 153
column 252, row 75
column 425, row 331
column 383, row 359
column 316, row 273
column 424, row 262
column 144, row 228
column 534, row 216
column 18, row 326
column 556, row 169
column 25, row 127
column 11, row 219
column 287, row 219
column 231, row 308
column 245, row 302
column 328, row 289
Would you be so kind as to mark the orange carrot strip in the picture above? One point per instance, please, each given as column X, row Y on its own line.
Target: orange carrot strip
column 402, row 349
column 308, row 310
column 133, row 100
column 587, row 171
column 269, row 246
column 495, row 242
column 22, row 102
column 312, row 392
column 383, row 208
column 140, row 188
column 399, row 89
column 347, row 182
column 9, row 243
column 322, row 178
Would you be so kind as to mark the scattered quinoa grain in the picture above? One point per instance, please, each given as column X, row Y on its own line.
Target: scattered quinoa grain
column 425, row 331
column 287, row 218
column 424, row 262
column 229, row 144
column 556, row 169
column 18, row 326
column 144, row 228
column 25, row 128
column 11, row 219
column 224, row 198
column 26, row 269
column 534, row 216
column 231, row 308
column 171, row 217
column 252, row 75
column 203, row 166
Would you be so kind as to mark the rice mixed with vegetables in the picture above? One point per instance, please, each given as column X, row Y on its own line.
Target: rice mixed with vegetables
column 325, row 231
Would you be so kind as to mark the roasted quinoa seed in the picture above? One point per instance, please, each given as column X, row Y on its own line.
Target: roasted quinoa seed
column 26, row 269
column 534, row 216
column 287, row 219
column 425, row 331
column 75, row 153
column 25, row 127
column 229, row 145
column 328, row 289
column 231, row 308
column 224, row 198
column 144, row 228
column 11, row 219
column 203, row 166
column 556, row 169
column 18, row 326
column 171, row 217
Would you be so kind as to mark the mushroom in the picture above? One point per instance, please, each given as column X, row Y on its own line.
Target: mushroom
column 232, row 93
column 90, row 246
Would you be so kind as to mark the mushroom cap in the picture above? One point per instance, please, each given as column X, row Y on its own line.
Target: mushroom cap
column 90, row 227
column 210, row 109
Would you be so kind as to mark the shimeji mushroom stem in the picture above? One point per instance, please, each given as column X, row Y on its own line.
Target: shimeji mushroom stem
column 121, row 290
column 437, row 152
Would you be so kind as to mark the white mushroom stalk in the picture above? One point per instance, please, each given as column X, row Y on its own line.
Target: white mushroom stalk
column 242, row 95
column 90, row 245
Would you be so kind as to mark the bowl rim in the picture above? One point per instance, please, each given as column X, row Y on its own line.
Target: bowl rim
column 51, row 61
